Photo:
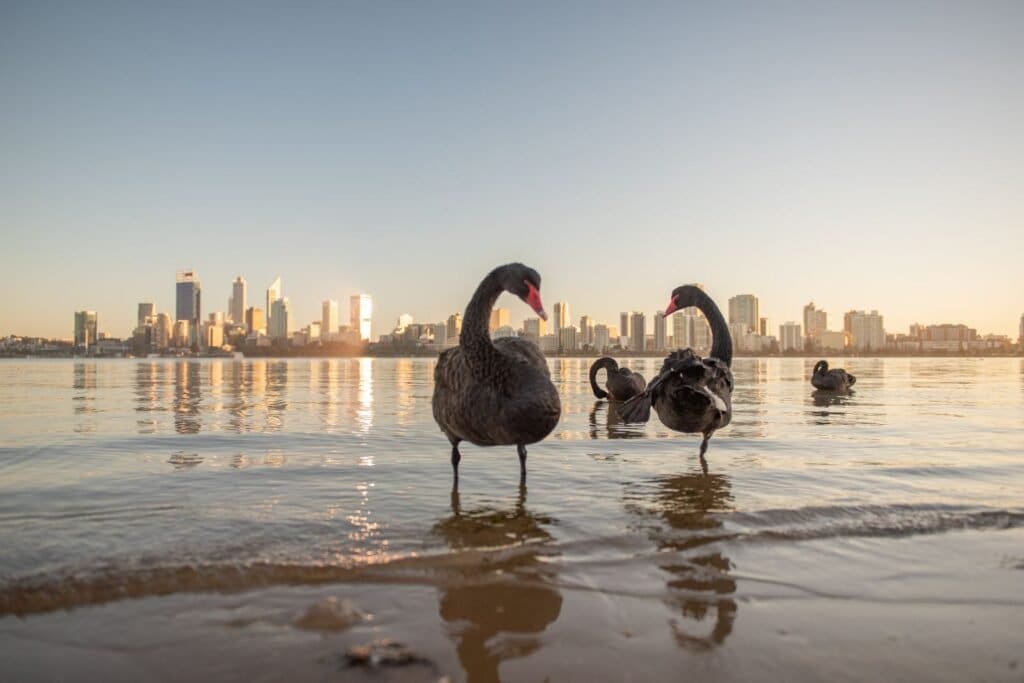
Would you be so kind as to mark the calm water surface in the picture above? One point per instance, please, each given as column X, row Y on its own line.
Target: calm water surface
column 220, row 499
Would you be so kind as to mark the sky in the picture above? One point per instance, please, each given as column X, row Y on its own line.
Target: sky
column 863, row 155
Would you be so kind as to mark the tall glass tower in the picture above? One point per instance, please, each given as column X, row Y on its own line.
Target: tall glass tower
column 188, row 302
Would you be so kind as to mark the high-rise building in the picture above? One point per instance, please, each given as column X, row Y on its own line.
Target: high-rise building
column 360, row 311
column 690, row 330
column 280, row 325
column 533, row 328
column 745, row 308
column 499, row 318
column 329, row 318
column 180, row 337
column 188, row 302
column 86, row 329
column 637, row 331
column 1020, row 336
column 660, row 333
column 440, row 334
column 162, row 331
column 867, row 330
column 586, row 331
column 255, row 320
column 273, row 294
column 147, row 312
column 815, row 322
column 568, row 338
column 624, row 324
column 561, row 317
column 790, row 338
column 763, row 327
column 236, row 305
column 602, row 338
column 453, row 326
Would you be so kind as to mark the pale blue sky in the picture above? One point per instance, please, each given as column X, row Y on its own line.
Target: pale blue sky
column 860, row 154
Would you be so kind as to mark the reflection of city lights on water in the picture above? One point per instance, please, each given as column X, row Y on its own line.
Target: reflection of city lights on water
column 364, row 413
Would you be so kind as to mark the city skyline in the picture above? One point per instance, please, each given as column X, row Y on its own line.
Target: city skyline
column 863, row 156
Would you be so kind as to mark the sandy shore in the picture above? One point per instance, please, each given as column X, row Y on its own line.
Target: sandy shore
column 836, row 609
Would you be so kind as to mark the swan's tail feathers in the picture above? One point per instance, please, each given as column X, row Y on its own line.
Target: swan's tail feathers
column 636, row 409
column 851, row 380
column 608, row 364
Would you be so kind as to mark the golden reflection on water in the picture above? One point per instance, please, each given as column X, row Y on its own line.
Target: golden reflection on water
column 496, row 611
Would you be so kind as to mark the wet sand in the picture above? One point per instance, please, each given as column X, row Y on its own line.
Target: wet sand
column 832, row 609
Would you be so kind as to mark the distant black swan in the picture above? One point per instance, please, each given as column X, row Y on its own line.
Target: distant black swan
column 495, row 393
column 831, row 380
column 622, row 383
column 691, row 394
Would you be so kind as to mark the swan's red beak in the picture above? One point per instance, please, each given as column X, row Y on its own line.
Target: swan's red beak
column 533, row 299
column 672, row 308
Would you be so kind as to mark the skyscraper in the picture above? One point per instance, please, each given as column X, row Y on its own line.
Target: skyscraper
column 273, row 294
column 146, row 311
column 360, row 311
column 255, row 320
column 86, row 329
column 499, row 318
column 329, row 319
column 561, row 317
column 532, row 329
column 280, row 325
column 586, row 337
column 744, row 308
column 660, row 335
column 162, row 331
column 236, row 307
column 867, row 331
column 815, row 322
column 454, row 326
column 602, row 337
column 637, row 331
column 188, row 302
column 790, row 338
column 624, row 324
column 1020, row 337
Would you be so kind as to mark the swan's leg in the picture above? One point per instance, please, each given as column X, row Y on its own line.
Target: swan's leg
column 456, row 457
column 703, row 450
column 522, row 461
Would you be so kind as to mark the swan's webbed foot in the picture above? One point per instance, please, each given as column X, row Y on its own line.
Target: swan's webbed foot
column 522, row 462
column 703, row 450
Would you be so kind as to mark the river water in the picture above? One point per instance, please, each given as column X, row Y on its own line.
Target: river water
column 254, row 520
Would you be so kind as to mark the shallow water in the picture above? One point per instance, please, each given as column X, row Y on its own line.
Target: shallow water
column 207, row 505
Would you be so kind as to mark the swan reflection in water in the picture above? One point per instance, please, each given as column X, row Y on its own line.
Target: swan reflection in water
column 687, row 530
column 497, row 610
column 606, row 414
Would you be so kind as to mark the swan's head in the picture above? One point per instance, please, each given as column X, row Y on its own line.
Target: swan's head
column 524, row 282
column 682, row 297
column 821, row 367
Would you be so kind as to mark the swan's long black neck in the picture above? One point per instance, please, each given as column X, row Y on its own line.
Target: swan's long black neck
column 475, row 337
column 721, row 346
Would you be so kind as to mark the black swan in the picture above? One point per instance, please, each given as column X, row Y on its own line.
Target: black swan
column 496, row 393
column 831, row 380
column 691, row 394
column 622, row 383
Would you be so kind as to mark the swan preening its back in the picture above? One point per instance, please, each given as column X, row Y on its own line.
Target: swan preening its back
column 622, row 383
column 831, row 380
column 691, row 394
column 495, row 393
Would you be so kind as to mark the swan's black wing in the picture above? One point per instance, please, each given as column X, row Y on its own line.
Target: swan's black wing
column 638, row 408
